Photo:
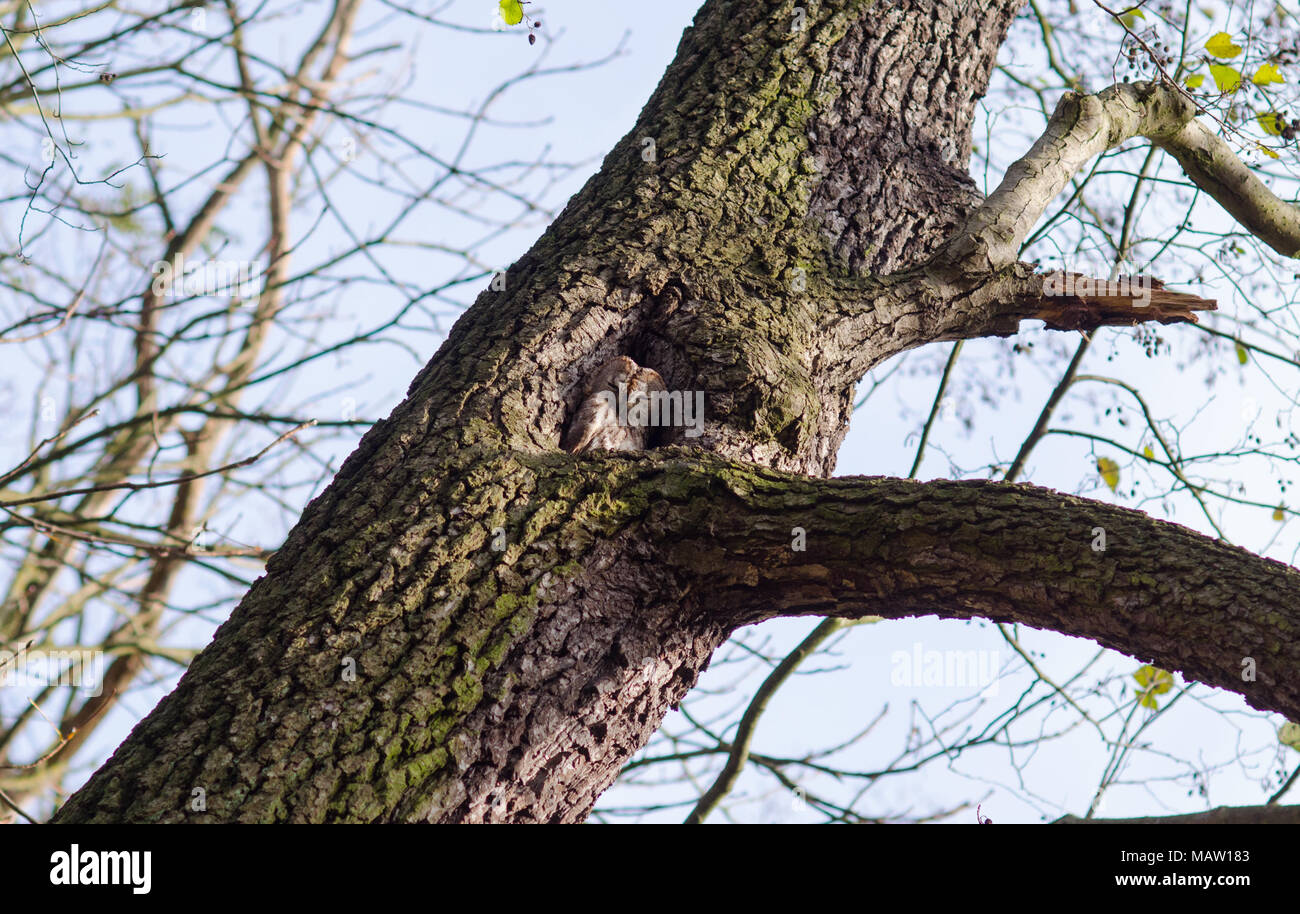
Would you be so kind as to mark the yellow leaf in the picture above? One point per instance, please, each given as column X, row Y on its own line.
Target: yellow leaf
column 1109, row 471
column 1148, row 453
column 1222, row 46
column 512, row 12
column 1243, row 354
column 1271, row 123
column 1289, row 735
column 1194, row 81
column 1268, row 152
column 1154, row 678
column 1152, row 681
column 1267, row 73
column 1279, row 515
column 1225, row 77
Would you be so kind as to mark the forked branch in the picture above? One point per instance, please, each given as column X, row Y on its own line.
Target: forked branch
column 1085, row 126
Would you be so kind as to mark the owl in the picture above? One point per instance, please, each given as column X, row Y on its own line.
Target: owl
column 614, row 413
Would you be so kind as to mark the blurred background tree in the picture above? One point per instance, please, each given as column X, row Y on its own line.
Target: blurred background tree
column 340, row 184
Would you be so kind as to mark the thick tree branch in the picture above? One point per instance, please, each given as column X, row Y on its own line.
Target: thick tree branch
column 1216, row 169
column 1085, row 126
column 1220, row 815
column 873, row 320
column 974, row 285
column 1010, row 553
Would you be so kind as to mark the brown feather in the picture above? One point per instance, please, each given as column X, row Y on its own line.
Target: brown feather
column 595, row 425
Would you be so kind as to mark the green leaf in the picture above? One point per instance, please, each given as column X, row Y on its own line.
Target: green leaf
column 1267, row 73
column 1243, row 354
column 1109, row 471
column 1225, row 77
column 1154, row 678
column 1152, row 681
column 1271, row 123
column 1289, row 735
column 1148, row 453
column 1222, row 46
column 1131, row 18
column 512, row 12
column 1194, row 81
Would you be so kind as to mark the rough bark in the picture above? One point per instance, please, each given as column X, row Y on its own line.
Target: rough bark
column 519, row 619
column 1220, row 815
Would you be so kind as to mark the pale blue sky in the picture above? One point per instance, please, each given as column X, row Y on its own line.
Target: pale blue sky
column 588, row 111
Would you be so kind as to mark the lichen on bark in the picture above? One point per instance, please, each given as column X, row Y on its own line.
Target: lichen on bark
column 394, row 664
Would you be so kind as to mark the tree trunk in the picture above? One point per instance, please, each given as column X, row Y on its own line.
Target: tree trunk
column 471, row 625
